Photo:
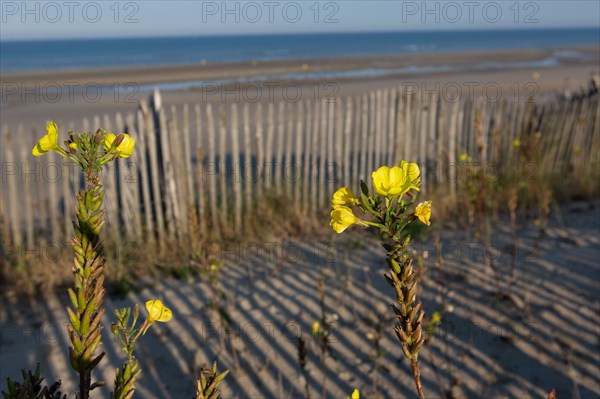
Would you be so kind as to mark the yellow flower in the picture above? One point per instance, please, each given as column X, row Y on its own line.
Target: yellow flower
column 516, row 143
column 388, row 181
column 157, row 311
column 355, row 394
column 411, row 169
column 49, row 142
column 214, row 265
column 342, row 218
column 423, row 212
column 412, row 172
column 344, row 196
column 396, row 180
column 125, row 149
column 315, row 328
column 463, row 157
column 73, row 146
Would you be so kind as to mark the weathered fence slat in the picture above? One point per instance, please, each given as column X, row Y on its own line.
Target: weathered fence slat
column 297, row 166
column 212, row 163
column 13, row 203
column 315, row 166
column 144, row 175
column 279, row 154
column 267, row 167
column 26, row 174
column 246, row 168
column 307, row 161
column 224, row 204
column 289, row 141
column 200, row 186
column 235, row 166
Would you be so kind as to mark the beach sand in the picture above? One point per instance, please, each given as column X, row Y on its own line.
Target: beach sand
column 546, row 337
column 31, row 97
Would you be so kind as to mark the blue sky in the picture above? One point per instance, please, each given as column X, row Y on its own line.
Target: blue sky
column 89, row 19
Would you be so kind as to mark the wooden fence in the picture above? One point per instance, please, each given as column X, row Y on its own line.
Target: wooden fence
column 214, row 163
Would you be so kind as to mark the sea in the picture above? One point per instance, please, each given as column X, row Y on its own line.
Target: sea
column 45, row 55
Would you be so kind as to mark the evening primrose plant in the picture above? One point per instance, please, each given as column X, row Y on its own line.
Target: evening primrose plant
column 92, row 151
column 390, row 210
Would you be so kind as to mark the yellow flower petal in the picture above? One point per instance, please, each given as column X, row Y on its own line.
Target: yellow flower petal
column 47, row 143
column 342, row 197
column 411, row 170
column 381, row 180
column 397, row 182
column 37, row 151
column 127, row 146
column 109, row 139
column 315, row 328
column 355, row 395
column 157, row 311
column 166, row 315
column 423, row 212
column 125, row 149
column 342, row 218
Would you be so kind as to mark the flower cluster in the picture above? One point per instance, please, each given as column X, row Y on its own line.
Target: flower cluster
column 393, row 187
column 114, row 146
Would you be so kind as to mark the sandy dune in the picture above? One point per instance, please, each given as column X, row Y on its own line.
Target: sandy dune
column 546, row 337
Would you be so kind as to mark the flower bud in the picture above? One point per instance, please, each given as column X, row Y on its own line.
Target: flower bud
column 392, row 264
column 119, row 139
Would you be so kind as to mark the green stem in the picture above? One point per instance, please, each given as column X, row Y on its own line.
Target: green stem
column 87, row 296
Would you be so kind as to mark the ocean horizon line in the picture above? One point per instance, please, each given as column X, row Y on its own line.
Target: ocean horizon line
column 304, row 34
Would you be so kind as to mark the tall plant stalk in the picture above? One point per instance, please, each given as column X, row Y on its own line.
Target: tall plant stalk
column 91, row 151
column 389, row 211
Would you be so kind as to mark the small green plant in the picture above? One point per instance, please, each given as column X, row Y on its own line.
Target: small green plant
column 479, row 192
column 390, row 211
column 32, row 388
column 211, row 271
column 303, row 361
column 321, row 330
column 128, row 334
column 209, row 381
